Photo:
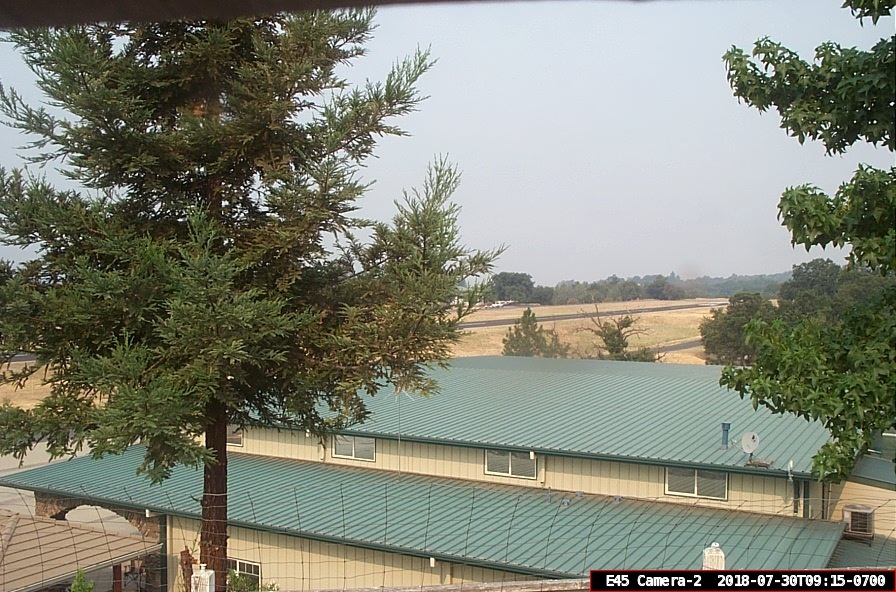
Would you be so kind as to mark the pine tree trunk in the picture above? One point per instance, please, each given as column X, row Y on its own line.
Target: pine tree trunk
column 213, row 535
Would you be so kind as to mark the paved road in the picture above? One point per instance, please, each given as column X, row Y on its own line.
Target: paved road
column 24, row 358
column 584, row 315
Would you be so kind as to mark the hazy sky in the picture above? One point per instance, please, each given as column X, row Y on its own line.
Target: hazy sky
column 600, row 138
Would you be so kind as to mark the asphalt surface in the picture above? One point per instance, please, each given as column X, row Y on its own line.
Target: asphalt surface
column 585, row 315
column 24, row 358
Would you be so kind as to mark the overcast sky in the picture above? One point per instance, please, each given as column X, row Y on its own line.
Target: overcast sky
column 600, row 138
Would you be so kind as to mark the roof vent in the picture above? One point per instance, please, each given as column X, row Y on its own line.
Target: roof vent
column 859, row 522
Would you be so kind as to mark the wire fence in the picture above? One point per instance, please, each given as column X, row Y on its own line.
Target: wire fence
column 349, row 538
column 42, row 551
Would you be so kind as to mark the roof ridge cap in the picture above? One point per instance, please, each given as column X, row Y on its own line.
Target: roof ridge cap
column 7, row 533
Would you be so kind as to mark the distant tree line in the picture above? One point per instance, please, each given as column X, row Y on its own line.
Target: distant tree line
column 519, row 287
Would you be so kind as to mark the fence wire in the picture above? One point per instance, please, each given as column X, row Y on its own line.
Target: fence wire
column 285, row 541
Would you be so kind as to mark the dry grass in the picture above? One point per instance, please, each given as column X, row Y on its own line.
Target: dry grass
column 514, row 312
column 662, row 328
column 28, row 396
column 480, row 342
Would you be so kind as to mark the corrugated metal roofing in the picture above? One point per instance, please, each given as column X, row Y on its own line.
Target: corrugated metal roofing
column 37, row 552
column 662, row 413
column 523, row 530
column 881, row 552
column 877, row 472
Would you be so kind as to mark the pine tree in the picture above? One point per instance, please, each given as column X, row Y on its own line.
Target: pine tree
column 529, row 339
column 209, row 272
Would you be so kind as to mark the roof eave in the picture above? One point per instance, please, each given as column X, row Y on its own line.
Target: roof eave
column 518, row 569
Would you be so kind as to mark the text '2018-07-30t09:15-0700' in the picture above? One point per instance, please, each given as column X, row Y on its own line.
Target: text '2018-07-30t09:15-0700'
column 656, row 580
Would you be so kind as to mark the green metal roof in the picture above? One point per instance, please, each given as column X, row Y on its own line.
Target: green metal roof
column 876, row 472
column 660, row 413
column 880, row 552
column 522, row 530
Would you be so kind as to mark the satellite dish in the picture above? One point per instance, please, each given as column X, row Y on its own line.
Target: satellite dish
column 749, row 442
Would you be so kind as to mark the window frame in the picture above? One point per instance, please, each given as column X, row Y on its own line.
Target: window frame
column 696, row 474
column 238, row 567
column 354, row 441
column 510, row 472
column 233, row 431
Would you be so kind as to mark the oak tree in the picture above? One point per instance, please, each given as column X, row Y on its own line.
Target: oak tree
column 613, row 336
column 512, row 286
column 722, row 332
column 811, row 289
column 211, row 270
column 822, row 288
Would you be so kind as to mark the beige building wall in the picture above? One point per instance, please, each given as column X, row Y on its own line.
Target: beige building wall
column 768, row 495
column 882, row 500
column 295, row 563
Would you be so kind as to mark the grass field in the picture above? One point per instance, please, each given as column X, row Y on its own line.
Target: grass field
column 666, row 327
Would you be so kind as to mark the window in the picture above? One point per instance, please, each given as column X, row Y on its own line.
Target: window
column 234, row 436
column 513, row 464
column 355, row 447
column 247, row 571
column 697, row 483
